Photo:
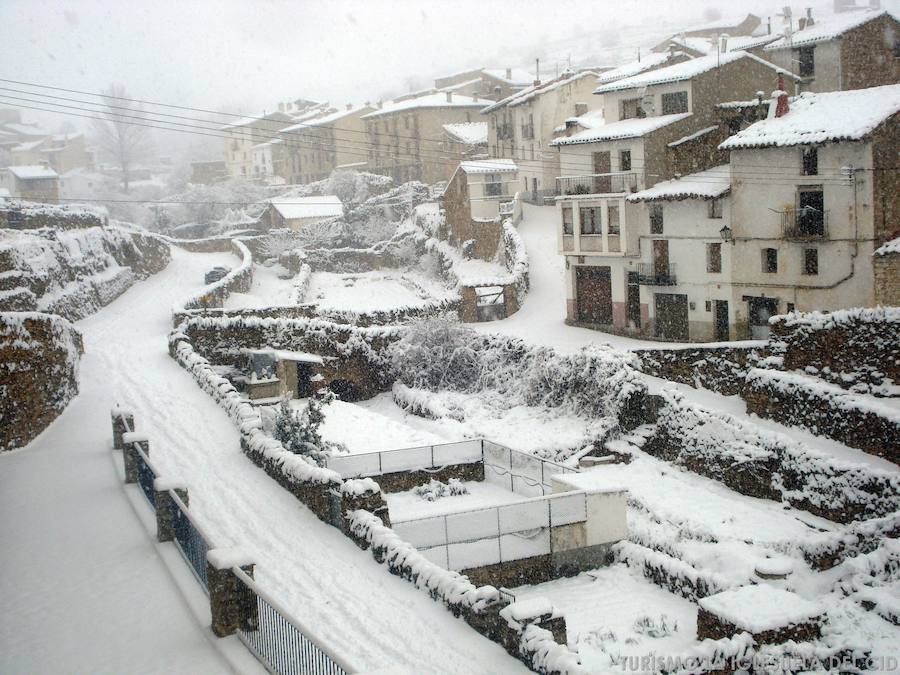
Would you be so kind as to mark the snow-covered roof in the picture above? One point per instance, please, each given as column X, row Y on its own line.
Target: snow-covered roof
column 32, row 171
column 828, row 28
column 259, row 119
column 4, row 193
column 326, row 119
column 517, row 75
column 471, row 133
column 703, row 45
column 324, row 206
column 590, row 120
column 820, row 118
column 433, row 100
column 742, row 42
column 889, row 248
column 489, row 166
column 25, row 129
column 760, row 608
column 709, row 184
column 30, row 145
column 694, row 136
column 646, row 62
column 682, row 71
column 630, row 128
column 532, row 92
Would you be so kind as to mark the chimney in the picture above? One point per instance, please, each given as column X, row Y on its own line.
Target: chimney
column 509, row 73
column 281, row 107
column 497, row 91
column 449, row 97
column 379, row 104
column 349, row 106
column 672, row 49
column 537, row 73
column 723, row 43
column 809, row 19
column 779, row 105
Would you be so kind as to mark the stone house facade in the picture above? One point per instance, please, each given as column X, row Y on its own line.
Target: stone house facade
column 886, row 263
column 522, row 126
column 473, row 203
column 295, row 213
column 34, row 183
column 62, row 152
column 487, row 83
column 805, row 229
column 241, row 137
column 853, row 50
column 405, row 136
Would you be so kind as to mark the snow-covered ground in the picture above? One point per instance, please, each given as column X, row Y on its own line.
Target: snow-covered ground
column 409, row 505
column 357, row 607
column 376, row 290
column 270, row 288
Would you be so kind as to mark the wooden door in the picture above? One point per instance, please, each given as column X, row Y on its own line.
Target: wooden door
column 602, row 164
column 593, row 291
column 660, row 257
column 633, row 300
column 671, row 316
column 721, row 319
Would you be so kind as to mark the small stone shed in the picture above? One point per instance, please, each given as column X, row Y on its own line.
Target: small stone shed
column 279, row 373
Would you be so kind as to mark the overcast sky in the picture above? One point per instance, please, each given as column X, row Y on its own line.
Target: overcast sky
column 227, row 53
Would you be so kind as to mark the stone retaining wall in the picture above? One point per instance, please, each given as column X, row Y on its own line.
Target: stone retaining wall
column 718, row 368
column 825, row 410
column 39, row 358
column 30, row 216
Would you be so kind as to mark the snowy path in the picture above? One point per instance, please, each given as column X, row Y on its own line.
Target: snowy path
column 83, row 588
column 376, row 619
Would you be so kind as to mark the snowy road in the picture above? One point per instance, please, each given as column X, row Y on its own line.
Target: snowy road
column 375, row 619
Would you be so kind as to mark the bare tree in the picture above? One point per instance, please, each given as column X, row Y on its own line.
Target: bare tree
column 117, row 134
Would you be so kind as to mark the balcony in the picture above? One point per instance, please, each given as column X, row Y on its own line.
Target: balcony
column 650, row 274
column 597, row 183
column 804, row 224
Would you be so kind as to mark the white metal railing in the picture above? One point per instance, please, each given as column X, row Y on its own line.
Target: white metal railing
column 597, row 183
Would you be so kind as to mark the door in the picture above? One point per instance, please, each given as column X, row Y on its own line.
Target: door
column 721, row 321
column 671, row 316
column 593, row 291
column 660, row 258
column 602, row 164
column 633, row 300
column 760, row 309
column 304, row 382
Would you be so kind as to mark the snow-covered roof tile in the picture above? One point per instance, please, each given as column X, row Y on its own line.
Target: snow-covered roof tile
column 590, row 120
column 828, row 28
column 433, row 100
column 682, row 71
column 532, row 92
column 646, row 62
column 489, row 166
column 517, row 75
column 889, row 248
column 326, row 119
column 743, row 42
column 694, row 136
column 820, row 118
column 709, row 184
column 471, row 133
column 32, row 171
column 631, row 128
column 324, row 206
column 30, row 145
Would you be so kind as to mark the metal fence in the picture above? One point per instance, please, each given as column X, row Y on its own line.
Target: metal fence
column 190, row 541
column 406, row 459
column 496, row 534
column 146, row 475
column 282, row 644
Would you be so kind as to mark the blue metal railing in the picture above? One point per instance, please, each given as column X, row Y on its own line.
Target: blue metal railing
column 191, row 543
column 146, row 476
column 280, row 642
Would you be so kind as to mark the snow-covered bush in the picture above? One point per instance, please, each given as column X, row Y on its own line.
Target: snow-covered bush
column 435, row 489
column 438, row 354
column 299, row 431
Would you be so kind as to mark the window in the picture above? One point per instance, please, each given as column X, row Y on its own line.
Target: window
column 625, row 160
column 613, row 220
column 807, row 58
column 567, row 220
column 770, row 260
column 493, row 185
column 676, row 102
column 656, row 219
column 715, row 208
column 897, row 47
column 810, row 261
column 810, row 161
column 811, row 211
column 790, row 307
column 632, row 108
column 406, row 122
column 590, row 220
column 714, row 258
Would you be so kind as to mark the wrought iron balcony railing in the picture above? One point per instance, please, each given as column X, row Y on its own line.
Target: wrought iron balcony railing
column 651, row 274
column 597, row 183
column 804, row 224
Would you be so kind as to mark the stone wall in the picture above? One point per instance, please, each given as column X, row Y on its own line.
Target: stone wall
column 39, row 357
column 27, row 216
column 887, row 279
column 238, row 280
column 719, row 368
column 825, row 410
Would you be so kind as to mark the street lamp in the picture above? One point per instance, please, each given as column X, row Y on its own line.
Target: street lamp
column 726, row 234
